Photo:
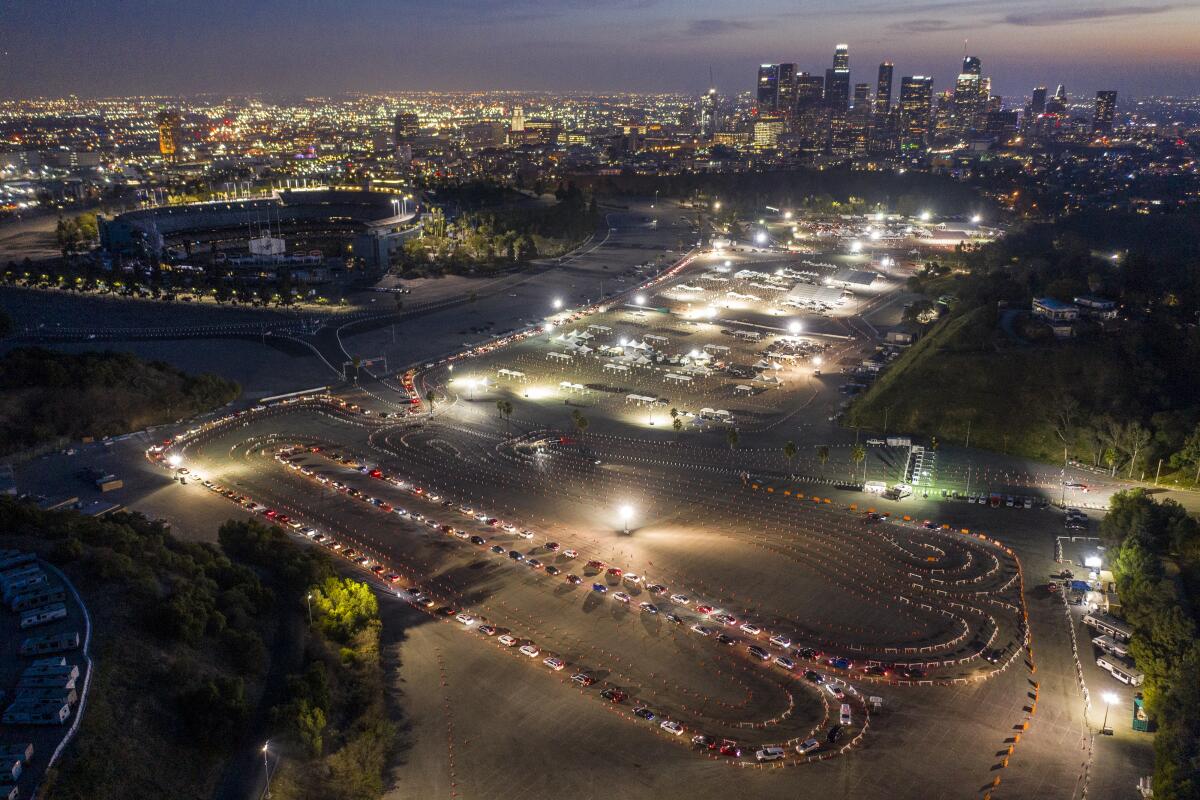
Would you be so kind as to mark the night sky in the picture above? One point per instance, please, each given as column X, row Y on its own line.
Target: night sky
column 305, row 47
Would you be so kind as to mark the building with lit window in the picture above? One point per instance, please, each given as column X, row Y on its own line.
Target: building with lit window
column 170, row 134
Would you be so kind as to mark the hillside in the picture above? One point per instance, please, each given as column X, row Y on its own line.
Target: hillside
column 1011, row 396
column 47, row 395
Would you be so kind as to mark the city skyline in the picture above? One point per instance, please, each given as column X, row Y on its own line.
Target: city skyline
column 651, row 45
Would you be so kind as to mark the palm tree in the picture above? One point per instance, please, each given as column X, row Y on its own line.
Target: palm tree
column 823, row 456
column 506, row 409
column 859, row 455
column 430, row 397
column 731, row 436
column 789, row 452
column 580, row 421
column 677, row 424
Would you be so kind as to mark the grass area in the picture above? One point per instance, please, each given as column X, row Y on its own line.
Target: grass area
column 956, row 376
column 47, row 395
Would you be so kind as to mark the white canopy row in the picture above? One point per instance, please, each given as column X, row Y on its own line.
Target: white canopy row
column 552, row 356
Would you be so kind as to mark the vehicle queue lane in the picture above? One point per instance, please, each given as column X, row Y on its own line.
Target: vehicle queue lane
column 787, row 539
column 523, row 608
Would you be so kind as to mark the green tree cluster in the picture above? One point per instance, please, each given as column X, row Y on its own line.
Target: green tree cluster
column 51, row 394
column 1141, row 533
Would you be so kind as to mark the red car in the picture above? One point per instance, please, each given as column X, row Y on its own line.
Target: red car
column 596, row 564
column 704, row 609
column 375, row 473
column 615, row 572
column 730, row 748
column 271, row 513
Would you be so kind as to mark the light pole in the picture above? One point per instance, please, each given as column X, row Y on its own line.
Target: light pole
column 309, row 599
column 1109, row 698
column 266, row 768
column 626, row 513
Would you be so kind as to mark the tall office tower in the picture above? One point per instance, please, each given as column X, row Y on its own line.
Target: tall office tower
column 862, row 96
column 883, row 88
column 785, row 102
column 170, row 134
column 768, row 88
column 1106, row 111
column 710, row 114
column 1037, row 104
column 517, row 124
column 971, row 92
column 809, row 110
column 916, row 111
column 405, row 126
column 1058, row 103
column 837, row 89
column 841, row 57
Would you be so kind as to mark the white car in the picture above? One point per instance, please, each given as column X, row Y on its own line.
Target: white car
column 682, row 599
column 522, row 534
column 465, row 618
column 624, row 598
column 671, row 726
column 808, row 746
column 631, row 577
column 555, row 664
column 507, row 640
column 753, row 630
column 570, row 553
column 781, row 641
column 785, row 662
column 769, row 753
column 702, row 630
column 530, row 650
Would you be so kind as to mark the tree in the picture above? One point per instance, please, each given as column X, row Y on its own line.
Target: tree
column 506, row 410
column 731, row 437
column 580, row 421
column 430, row 397
column 823, row 456
column 859, row 455
column 343, row 607
column 357, row 361
column 677, row 424
column 789, row 452
column 1189, row 455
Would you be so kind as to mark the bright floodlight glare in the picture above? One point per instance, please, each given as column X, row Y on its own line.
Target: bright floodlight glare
column 761, row 237
column 793, row 327
column 557, row 302
column 879, row 216
column 626, row 512
column 1116, row 256
column 1110, row 698
column 174, row 460
column 717, row 206
column 1092, row 562
column 817, row 361
column 640, row 299
column 925, row 216
column 787, row 215
column 728, row 263
column 856, row 247
column 976, row 219
column 875, row 235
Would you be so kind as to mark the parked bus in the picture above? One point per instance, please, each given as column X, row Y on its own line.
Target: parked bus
column 1111, row 646
column 50, row 643
column 1121, row 669
column 38, row 596
column 1110, row 625
column 40, row 616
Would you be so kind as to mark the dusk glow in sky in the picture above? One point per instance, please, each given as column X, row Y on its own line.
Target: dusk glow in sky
column 95, row 48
